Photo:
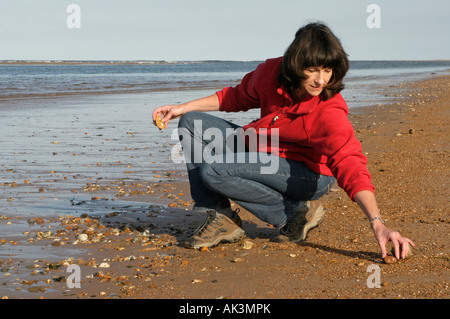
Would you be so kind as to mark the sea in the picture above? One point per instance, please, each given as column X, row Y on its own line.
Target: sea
column 28, row 79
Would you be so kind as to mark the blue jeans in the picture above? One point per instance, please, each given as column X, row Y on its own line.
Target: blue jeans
column 228, row 171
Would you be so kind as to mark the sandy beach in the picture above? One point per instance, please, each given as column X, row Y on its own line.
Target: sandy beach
column 123, row 224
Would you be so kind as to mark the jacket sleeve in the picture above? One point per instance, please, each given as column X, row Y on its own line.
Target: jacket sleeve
column 336, row 140
column 242, row 97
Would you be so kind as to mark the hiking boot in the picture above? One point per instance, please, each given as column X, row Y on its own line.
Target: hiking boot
column 216, row 229
column 307, row 215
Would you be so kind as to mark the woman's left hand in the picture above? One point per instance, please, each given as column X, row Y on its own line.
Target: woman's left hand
column 384, row 235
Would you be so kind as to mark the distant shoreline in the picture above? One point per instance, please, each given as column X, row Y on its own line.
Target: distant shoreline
column 156, row 62
column 112, row 62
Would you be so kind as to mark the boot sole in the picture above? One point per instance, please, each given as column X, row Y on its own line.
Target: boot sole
column 235, row 236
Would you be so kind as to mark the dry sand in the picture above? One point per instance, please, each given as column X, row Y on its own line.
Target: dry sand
column 138, row 252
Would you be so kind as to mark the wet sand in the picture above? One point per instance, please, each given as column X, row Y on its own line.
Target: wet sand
column 124, row 222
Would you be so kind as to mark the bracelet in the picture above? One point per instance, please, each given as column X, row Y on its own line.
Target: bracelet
column 372, row 219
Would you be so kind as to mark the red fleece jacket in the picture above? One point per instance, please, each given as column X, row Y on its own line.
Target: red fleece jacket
column 317, row 133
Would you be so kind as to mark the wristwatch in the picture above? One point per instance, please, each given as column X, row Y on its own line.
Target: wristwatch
column 372, row 219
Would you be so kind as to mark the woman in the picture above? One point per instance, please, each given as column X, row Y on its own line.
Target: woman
column 312, row 143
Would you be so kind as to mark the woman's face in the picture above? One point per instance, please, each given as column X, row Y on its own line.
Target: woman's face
column 317, row 79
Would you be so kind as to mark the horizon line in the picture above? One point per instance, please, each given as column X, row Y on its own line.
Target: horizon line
column 141, row 61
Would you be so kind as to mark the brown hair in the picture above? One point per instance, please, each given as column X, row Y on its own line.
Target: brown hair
column 314, row 45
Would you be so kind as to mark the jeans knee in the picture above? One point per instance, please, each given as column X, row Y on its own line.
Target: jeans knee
column 324, row 186
column 187, row 119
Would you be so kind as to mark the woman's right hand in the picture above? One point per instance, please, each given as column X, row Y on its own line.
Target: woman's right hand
column 168, row 112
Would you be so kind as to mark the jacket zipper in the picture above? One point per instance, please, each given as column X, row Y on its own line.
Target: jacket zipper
column 274, row 120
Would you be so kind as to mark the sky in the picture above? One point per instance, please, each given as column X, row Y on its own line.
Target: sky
column 175, row 30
